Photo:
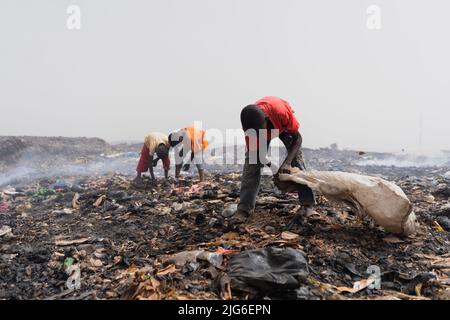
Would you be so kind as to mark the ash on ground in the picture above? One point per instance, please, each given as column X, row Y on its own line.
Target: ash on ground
column 72, row 226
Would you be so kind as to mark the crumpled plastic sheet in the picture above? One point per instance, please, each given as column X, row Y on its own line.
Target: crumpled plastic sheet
column 274, row 271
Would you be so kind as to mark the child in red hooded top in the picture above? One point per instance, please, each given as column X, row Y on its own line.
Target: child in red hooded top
column 262, row 118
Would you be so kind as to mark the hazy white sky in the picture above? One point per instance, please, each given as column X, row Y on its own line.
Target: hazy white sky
column 140, row 66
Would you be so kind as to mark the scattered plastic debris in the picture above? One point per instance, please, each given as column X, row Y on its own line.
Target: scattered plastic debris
column 270, row 271
column 122, row 243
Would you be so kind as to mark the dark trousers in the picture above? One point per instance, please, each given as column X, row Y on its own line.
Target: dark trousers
column 251, row 179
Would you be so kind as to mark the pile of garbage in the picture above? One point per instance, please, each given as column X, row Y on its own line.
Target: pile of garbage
column 72, row 226
column 14, row 148
column 99, row 237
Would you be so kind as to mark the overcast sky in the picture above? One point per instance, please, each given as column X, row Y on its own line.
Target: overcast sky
column 140, row 66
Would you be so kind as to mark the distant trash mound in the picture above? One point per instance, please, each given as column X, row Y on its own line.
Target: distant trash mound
column 13, row 149
column 27, row 158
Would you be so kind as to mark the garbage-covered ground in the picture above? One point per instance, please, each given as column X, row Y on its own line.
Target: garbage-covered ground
column 173, row 240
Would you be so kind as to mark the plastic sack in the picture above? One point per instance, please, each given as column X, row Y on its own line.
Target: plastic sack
column 268, row 271
column 382, row 200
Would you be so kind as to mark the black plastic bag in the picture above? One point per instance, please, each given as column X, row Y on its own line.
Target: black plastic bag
column 272, row 272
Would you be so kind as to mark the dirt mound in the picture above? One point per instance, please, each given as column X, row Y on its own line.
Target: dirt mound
column 13, row 148
column 32, row 157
